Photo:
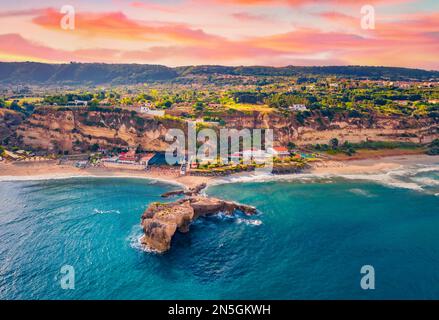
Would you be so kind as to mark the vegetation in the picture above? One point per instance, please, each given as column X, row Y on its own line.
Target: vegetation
column 214, row 92
column 350, row 148
column 433, row 148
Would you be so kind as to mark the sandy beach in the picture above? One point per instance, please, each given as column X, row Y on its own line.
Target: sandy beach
column 52, row 170
column 372, row 165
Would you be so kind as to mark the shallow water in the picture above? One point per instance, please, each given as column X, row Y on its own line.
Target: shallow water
column 310, row 240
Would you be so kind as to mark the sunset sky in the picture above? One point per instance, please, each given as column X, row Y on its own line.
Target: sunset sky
column 227, row 32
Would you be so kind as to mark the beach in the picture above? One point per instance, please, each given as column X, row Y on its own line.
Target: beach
column 371, row 165
column 52, row 170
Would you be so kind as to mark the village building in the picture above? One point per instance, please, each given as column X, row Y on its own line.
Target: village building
column 127, row 157
column 78, row 102
column 279, row 152
column 148, row 108
column 110, row 160
column 145, row 159
column 253, row 154
column 298, row 107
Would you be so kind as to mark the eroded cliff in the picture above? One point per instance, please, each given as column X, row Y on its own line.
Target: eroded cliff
column 78, row 130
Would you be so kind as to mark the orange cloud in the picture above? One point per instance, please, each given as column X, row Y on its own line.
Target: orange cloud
column 244, row 17
column 303, row 2
column 15, row 45
column 404, row 40
column 154, row 6
column 118, row 25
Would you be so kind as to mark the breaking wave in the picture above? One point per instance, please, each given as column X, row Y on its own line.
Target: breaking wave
column 361, row 192
column 419, row 178
column 105, row 211
column 249, row 222
column 135, row 242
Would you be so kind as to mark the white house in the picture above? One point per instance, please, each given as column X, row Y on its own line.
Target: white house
column 250, row 154
column 298, row 107
column 280, row 152
column 146, row 109
column 84, row 103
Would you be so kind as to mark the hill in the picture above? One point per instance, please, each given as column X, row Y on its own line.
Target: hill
column 99, row 73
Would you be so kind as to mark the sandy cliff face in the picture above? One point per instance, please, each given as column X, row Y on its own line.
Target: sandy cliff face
column 77, row 130
column 320, row 129
column 9, row 121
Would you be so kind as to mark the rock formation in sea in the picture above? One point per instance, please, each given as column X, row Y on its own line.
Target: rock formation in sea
column 161, row 221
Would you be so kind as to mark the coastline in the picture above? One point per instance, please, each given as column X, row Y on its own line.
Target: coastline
column 373, row 165
column 51, row 170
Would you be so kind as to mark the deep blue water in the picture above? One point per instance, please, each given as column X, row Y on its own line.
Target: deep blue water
column 309, row 241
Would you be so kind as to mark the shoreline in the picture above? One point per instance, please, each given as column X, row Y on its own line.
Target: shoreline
column 51, row 170
column 372, row 165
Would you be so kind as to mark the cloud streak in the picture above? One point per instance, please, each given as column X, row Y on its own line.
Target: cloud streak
column 330, row 37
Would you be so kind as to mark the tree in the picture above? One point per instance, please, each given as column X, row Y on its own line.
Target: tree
column 199, row 106
column 94, row 147
column 14, row 106
column 334, row 143
column 168, row 104
column 94, row 103
column 433, row 148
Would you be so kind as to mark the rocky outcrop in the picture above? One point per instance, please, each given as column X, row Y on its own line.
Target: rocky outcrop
column 161, row 221
column 190, row 192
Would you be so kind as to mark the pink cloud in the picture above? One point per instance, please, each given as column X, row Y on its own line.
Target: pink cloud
column 118, row 25
column 154, row 6
column 405, row 40
column 246, row 17
column 303, row 2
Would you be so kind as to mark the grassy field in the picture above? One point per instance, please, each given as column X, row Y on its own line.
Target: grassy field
column 27, row 100
column 245, row 107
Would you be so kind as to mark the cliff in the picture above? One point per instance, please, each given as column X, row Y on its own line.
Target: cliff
column 77, row 130
column 318, row 128
column 9, row 121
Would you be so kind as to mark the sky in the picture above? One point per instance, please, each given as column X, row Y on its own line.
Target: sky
column 223, row 32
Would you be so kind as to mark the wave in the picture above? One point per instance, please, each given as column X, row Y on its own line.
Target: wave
column 236, row 218
column 405, row 178
column 135, row 240
column 426, row 182
column 361, row 192
column 152, row 180
column 249, row 222
column 105, row 211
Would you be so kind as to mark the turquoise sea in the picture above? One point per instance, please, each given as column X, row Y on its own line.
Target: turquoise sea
column 310, row 240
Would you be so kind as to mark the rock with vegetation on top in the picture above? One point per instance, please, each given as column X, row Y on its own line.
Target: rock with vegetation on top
column 161, row 221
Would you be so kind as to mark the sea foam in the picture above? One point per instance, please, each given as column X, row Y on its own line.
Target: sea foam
column 403, row 177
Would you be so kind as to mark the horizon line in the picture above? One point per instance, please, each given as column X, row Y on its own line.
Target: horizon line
column 223, row 65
